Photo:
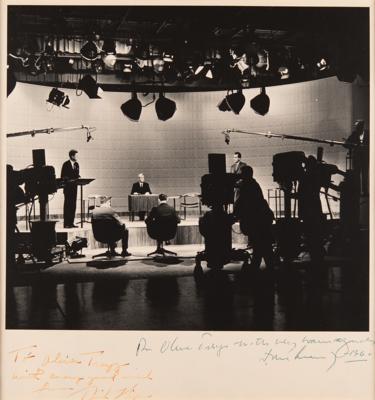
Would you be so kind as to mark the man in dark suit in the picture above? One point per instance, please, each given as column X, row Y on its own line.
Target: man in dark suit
column 162, row 210
column 141, row 187
column 69, row 173
column 236, row 168
column 255, row 218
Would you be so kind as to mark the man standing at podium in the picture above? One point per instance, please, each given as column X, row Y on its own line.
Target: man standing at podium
column 69, row 173
column 236, row 167
column 141, row 187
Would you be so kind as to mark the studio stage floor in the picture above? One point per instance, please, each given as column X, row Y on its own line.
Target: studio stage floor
column 144, row 294
column 187, row 233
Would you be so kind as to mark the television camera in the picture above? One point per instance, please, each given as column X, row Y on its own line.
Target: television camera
column 38, row 182
column 289, row 170
column 217, row 192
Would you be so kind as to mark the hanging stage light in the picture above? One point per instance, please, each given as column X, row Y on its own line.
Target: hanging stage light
column 132, row 108
column 223, row 105
column 58, row 98
column 262, row 60
column 128, row 68
column 168, row 57
column 158, row 64
column 110, row 61
column 109, row 46
column 170, row 73
column 165, row 108
column 233, row 102
column 98, row 66
column 283, row 72
column 261, row 103
column 89, row 86
column 90, row 51
column 322, row 64
column 204, row 70
column 242, row 65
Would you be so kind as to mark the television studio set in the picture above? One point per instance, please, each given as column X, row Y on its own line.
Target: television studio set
column 187, row 168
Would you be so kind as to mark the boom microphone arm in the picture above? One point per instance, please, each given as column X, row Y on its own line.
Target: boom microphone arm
column 282, row 136
column 89, row 130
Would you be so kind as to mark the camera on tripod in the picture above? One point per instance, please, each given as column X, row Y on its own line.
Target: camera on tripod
column 216, row 225
column 39, row 181
column 290, row 167
column 217, row 186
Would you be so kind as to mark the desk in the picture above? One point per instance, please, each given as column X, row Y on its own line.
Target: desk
column 141, row 202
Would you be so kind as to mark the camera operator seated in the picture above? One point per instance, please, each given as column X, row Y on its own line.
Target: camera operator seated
column 108, row 227
column 255, row 217
column 162, row 224
column 216, row 228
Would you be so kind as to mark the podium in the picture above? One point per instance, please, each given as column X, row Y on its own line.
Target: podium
column 60, row 183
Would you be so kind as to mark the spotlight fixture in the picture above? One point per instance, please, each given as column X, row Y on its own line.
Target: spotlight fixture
column 170, row 73
column 48, row 63
column 322, row 64
column 198, row 70
column 158, row 64
column 98, row 66
column 283, row 72
column 242, row 65
column 128, row 67
column 89, row 86
column 34, row 65
column 49, row 49
column 144, row 63
column 90, row 51
column 262, row 60
column 168, row 57
column 132, row 108
column 58, row 98
column 124, row 47
column 110, row 61
column 204, row 70
column 261, row 103
column 109, row 46
column 165, row 108
column 233, row 102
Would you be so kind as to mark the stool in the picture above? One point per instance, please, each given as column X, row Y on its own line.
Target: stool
column 94, row 200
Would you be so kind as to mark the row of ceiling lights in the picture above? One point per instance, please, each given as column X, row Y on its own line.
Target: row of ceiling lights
column 238, row 63
column 132, row 108
column 164, row 107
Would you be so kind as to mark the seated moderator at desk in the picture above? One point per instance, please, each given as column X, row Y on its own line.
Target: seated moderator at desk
column 141, row 187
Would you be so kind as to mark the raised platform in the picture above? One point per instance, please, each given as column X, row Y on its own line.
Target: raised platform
column 187, row 233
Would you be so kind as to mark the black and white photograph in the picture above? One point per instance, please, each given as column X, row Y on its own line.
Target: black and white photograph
column 187, row 168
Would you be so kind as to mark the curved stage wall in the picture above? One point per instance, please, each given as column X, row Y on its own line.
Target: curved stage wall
column 173, row 154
